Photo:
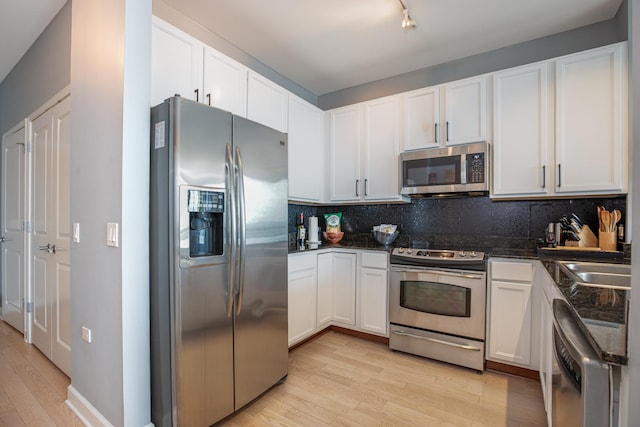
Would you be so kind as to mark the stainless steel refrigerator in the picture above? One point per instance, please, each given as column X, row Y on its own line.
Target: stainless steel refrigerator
column 218, row 250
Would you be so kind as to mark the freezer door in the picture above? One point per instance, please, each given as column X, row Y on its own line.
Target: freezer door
column 204, row 358
column 260, row 344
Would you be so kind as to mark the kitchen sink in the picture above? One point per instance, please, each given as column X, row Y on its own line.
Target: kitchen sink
column 602, row 275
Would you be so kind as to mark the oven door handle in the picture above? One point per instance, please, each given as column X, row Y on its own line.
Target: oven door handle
column 464, row 275
column 451, row 344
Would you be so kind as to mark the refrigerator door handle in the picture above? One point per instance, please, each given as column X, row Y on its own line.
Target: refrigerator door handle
column 241, row 225
column 230, row 227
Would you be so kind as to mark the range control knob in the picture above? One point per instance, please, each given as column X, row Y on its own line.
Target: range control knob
column 409, row 251
column 400, row 250
column 462, row 254
column 473, row 254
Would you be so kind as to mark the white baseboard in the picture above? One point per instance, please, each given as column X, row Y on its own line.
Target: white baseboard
column 84, row 410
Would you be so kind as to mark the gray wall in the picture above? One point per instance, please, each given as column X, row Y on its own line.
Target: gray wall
column 583, row 38
column 41, row 73
column 110, row 69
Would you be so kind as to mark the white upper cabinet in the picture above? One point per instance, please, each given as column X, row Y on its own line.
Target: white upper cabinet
column 421, row 118
column 267, row 103
column 591, row 141
column 573, row 146
column 181, row 64
column 345, row 131
column 465, row 111
column 225, row 82
column 306, row 142
column 364, row 146
column 521, row 139
column 449, row 114
column 381, row 148
column 176, row 63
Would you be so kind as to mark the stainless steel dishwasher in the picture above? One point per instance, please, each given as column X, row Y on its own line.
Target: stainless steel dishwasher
column 581, row 388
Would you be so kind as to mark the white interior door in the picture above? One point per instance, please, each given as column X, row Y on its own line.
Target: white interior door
column 12, row 237
column 51, row 236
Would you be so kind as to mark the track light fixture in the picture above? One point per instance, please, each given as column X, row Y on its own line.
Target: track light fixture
column 407, row 22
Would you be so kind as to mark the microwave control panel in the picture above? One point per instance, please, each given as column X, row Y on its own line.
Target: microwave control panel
column 475, row 168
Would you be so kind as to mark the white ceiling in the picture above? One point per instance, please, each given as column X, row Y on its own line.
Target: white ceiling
column 328, row 45
column 21, row 22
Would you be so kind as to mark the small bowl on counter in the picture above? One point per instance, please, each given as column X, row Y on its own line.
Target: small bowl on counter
column 333, row 237
column 385, row 239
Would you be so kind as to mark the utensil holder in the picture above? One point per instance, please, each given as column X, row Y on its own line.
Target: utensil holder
column 607, row 240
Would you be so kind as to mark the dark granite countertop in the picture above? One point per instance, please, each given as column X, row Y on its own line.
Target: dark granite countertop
column 601, row 313
column 295, row 249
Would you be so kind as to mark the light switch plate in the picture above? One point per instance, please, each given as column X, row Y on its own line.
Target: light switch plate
column 76, row 232
column 112, row 234
column 86, row 334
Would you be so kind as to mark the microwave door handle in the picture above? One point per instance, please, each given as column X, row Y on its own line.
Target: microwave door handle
column 437, row 341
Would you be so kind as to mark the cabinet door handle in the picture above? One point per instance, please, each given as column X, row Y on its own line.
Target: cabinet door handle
column 197, row 93
column 559, row 175
column 544, row 176
column 435, row 134
column 447, row 131
column 357, row 185
column 365, row 187
column 209, row 98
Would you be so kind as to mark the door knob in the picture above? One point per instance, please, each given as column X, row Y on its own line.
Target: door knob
column 49, row 248
column 3, row 239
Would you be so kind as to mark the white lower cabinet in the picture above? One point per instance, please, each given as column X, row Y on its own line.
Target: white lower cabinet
column 343, row 288
column 303, row 284
column 325, row 290
column 373, row 293
column 511, row 316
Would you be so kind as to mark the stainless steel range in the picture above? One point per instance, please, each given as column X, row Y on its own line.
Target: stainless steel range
column 437, row 303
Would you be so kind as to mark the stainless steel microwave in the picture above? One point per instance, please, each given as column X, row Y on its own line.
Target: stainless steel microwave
column 454, row 169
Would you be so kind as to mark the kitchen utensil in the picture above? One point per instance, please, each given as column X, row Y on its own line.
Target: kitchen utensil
column 575, row 226
column 605, row 217
column 617, row 217
column 578, row 220
column 571, row 234
column 600, row 226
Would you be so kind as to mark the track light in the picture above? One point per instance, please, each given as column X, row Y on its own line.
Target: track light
column 407, row 22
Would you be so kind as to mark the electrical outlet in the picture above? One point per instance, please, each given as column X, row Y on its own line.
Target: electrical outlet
column 86, row 334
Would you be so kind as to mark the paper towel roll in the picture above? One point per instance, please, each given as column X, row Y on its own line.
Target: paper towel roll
column 313, row 229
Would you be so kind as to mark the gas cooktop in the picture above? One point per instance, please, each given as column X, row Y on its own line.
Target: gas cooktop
column 471, row 260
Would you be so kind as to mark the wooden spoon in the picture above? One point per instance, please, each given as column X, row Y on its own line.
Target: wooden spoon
column 617, row 216
column 605, row 216
column 600, row 209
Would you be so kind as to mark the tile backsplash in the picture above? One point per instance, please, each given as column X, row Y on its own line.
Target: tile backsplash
column 471, row 222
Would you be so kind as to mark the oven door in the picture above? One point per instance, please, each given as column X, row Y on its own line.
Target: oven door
column 440, row 300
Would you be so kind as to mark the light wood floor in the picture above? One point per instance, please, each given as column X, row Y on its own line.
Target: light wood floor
column 32, row 389
column 339, row 380
column 334, row 380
